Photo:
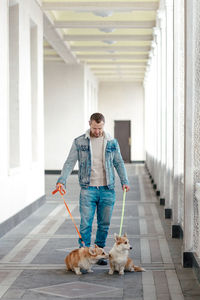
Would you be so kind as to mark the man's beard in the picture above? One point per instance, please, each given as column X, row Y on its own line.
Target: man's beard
column 93, row 135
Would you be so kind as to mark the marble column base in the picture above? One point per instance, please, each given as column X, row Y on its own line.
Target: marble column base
column 168, row 213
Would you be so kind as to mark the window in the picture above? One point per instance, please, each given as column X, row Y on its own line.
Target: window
column 14, row 137
column 34, row 88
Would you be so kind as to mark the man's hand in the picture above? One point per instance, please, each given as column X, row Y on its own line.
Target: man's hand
column 60, row 185
column 61, row 188
column 125, row 186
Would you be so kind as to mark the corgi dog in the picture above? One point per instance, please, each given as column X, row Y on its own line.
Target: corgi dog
column 84, row 258
column 118, row 256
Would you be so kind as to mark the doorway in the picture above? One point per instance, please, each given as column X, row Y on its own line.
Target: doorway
column 122, row 132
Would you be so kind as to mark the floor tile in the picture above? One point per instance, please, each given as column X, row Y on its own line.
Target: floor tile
column 32, row 254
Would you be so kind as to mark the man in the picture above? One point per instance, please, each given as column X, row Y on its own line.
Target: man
column 97, row 154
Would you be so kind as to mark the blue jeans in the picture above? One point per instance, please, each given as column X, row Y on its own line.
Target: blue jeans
column 102, row 199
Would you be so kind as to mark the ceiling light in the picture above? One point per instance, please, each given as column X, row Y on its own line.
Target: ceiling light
column 103, row 13
column 107, row 30
column 109, row 42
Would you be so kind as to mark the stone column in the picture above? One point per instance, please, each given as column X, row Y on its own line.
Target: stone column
column 155, row 108
column 157, row 55
column 197, row 220
column 148, row 118
column 192, row 130
column 150, row 133
column 162, row 165
column 168, row 188
column 178, row 187
column 196, row 120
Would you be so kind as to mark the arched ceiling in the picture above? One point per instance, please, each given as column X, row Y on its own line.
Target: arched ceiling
column 113, row 37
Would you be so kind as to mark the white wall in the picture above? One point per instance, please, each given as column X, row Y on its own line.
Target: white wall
column 124, row 101
column 68, row 104
column 91, row 94
column 24, row 184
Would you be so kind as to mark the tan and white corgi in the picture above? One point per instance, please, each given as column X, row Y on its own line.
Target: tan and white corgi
column 118, row 256
column 84, row 258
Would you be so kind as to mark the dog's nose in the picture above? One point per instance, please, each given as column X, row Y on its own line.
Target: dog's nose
column 130, row 247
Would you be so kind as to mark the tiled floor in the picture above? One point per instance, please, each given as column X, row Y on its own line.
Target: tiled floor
column 32, row 254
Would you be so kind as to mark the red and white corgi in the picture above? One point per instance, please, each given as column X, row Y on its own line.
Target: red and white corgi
column 118, row 256
column 84, row 258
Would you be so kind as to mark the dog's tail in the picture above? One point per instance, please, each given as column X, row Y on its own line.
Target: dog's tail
column 139, row 269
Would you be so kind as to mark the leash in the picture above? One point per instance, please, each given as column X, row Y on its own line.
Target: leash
column 122, row 216
column 62, row 192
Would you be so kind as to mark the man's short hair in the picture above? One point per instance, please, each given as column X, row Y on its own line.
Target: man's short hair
column 97, row 117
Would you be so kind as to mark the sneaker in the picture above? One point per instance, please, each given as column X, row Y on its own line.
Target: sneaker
column 102, row 262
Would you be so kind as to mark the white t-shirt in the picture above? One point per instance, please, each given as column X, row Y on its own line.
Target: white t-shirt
column 98, row 174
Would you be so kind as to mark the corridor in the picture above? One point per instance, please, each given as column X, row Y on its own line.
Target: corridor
column 32, row 254
column 137, row 63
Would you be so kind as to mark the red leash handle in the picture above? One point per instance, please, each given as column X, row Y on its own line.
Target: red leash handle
column 59, row 189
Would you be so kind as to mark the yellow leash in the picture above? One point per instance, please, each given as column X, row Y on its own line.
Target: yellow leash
column 122, row 217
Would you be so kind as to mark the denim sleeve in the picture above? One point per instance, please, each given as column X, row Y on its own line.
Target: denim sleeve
column 119, row 165
column 69, row 164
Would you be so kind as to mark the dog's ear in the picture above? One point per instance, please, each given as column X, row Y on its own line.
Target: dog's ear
column 125, row 234
column 116, row 236
column 91, row 251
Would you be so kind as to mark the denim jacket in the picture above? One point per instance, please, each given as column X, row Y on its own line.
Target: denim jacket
column 81, row 150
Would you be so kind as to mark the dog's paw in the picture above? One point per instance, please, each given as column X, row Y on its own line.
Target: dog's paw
column 78, row 273
column 143, row 269
column 110, row 272
column 121, row 273
column 90, row 271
